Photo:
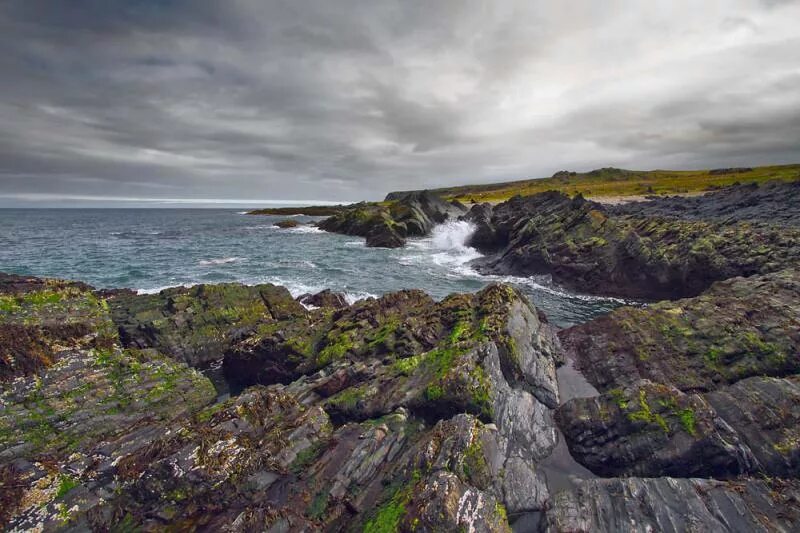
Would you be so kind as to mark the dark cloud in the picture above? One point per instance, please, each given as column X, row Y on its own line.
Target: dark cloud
column 348, row 100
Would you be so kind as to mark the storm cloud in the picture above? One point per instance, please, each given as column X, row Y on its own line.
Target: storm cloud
column 346, row 100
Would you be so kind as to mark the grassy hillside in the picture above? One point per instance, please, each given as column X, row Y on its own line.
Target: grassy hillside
column 611, row 182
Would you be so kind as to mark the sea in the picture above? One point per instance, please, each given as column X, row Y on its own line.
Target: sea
column 152, row 249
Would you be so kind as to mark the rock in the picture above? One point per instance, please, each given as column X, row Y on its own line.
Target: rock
column 84, row 391
column 325, row 298
column 669, row 504
column 765, row 414
column 388, row 224
column 739, row 328
column 198, row 324
column 485, row 235
column 285, row 224
column 394, row 413
column 773, row 203
column 685, row 386
column 628, row 251
column 652, row 430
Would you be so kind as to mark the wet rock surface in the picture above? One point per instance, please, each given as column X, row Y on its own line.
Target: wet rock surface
column 197, row 324
column 388, row 224
column 664, row 249
column 398, row 413
column 395, row 413
column 705, row 387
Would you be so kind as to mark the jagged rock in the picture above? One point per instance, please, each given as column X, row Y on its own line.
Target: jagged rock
column 58, row 415
column 765, row 413
column 590, row 248
column 325, row 298
column 773, row 203
column 407, row 215
column 669, row 504
column 198, row 324
column 394, row 413
column 652, row 430
column 485, row 235
column 739, row 328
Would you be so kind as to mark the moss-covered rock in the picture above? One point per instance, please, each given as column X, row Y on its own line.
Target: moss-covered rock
column 587, row 247
column 198, row 324
column 739, row 328
column 387, row 224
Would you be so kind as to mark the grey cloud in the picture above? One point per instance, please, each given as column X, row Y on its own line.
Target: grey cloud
column 348, row 100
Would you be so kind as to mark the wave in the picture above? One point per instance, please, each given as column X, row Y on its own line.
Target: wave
column 353, row 297
column 304, row 229
column 221, row 261
column 446, row 247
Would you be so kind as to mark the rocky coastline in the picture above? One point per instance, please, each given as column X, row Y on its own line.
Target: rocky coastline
column 239, row 408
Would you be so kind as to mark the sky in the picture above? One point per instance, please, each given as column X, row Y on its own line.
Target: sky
column 201, row 102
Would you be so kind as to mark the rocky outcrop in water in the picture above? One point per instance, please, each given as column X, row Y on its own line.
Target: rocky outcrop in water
column 388, row 224
column 639, row 251
column 286, row 224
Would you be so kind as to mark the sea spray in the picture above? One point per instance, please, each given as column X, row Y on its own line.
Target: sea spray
column 448, row 241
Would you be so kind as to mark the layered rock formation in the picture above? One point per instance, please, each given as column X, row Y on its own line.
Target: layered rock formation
column 388, row 224
column 702, row 387
column 393, row 413
column 647, row 251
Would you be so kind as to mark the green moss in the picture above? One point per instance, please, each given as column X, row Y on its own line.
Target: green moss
column 407, row 365
column 474, row 466
column 8, row 304
column 65, row 484
column 645, row 413
column 347, row 399
column 458, row 332
column 208, row 413
column 434, row 392
column 337, row 348
column 619, row 398
column 500, row 511
column 382, row 335
column 687, row 420
column 388, row 516
column 712, row 356
column 306, row 457
column 481, row 392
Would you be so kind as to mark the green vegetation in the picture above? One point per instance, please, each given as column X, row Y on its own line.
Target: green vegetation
column 645, row 413
column 407, row 365
column 387, row 519
column 65, row 484
column 610, row 182
column 687, row 420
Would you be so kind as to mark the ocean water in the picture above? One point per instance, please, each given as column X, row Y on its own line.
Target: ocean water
column 151, row 249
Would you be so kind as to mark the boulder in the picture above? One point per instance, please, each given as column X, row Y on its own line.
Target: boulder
column 288, row 223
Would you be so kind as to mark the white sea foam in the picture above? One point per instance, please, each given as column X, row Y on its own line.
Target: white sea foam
column 446, row 247
column 353, row 297
column 304, row 229
column 220, row 261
